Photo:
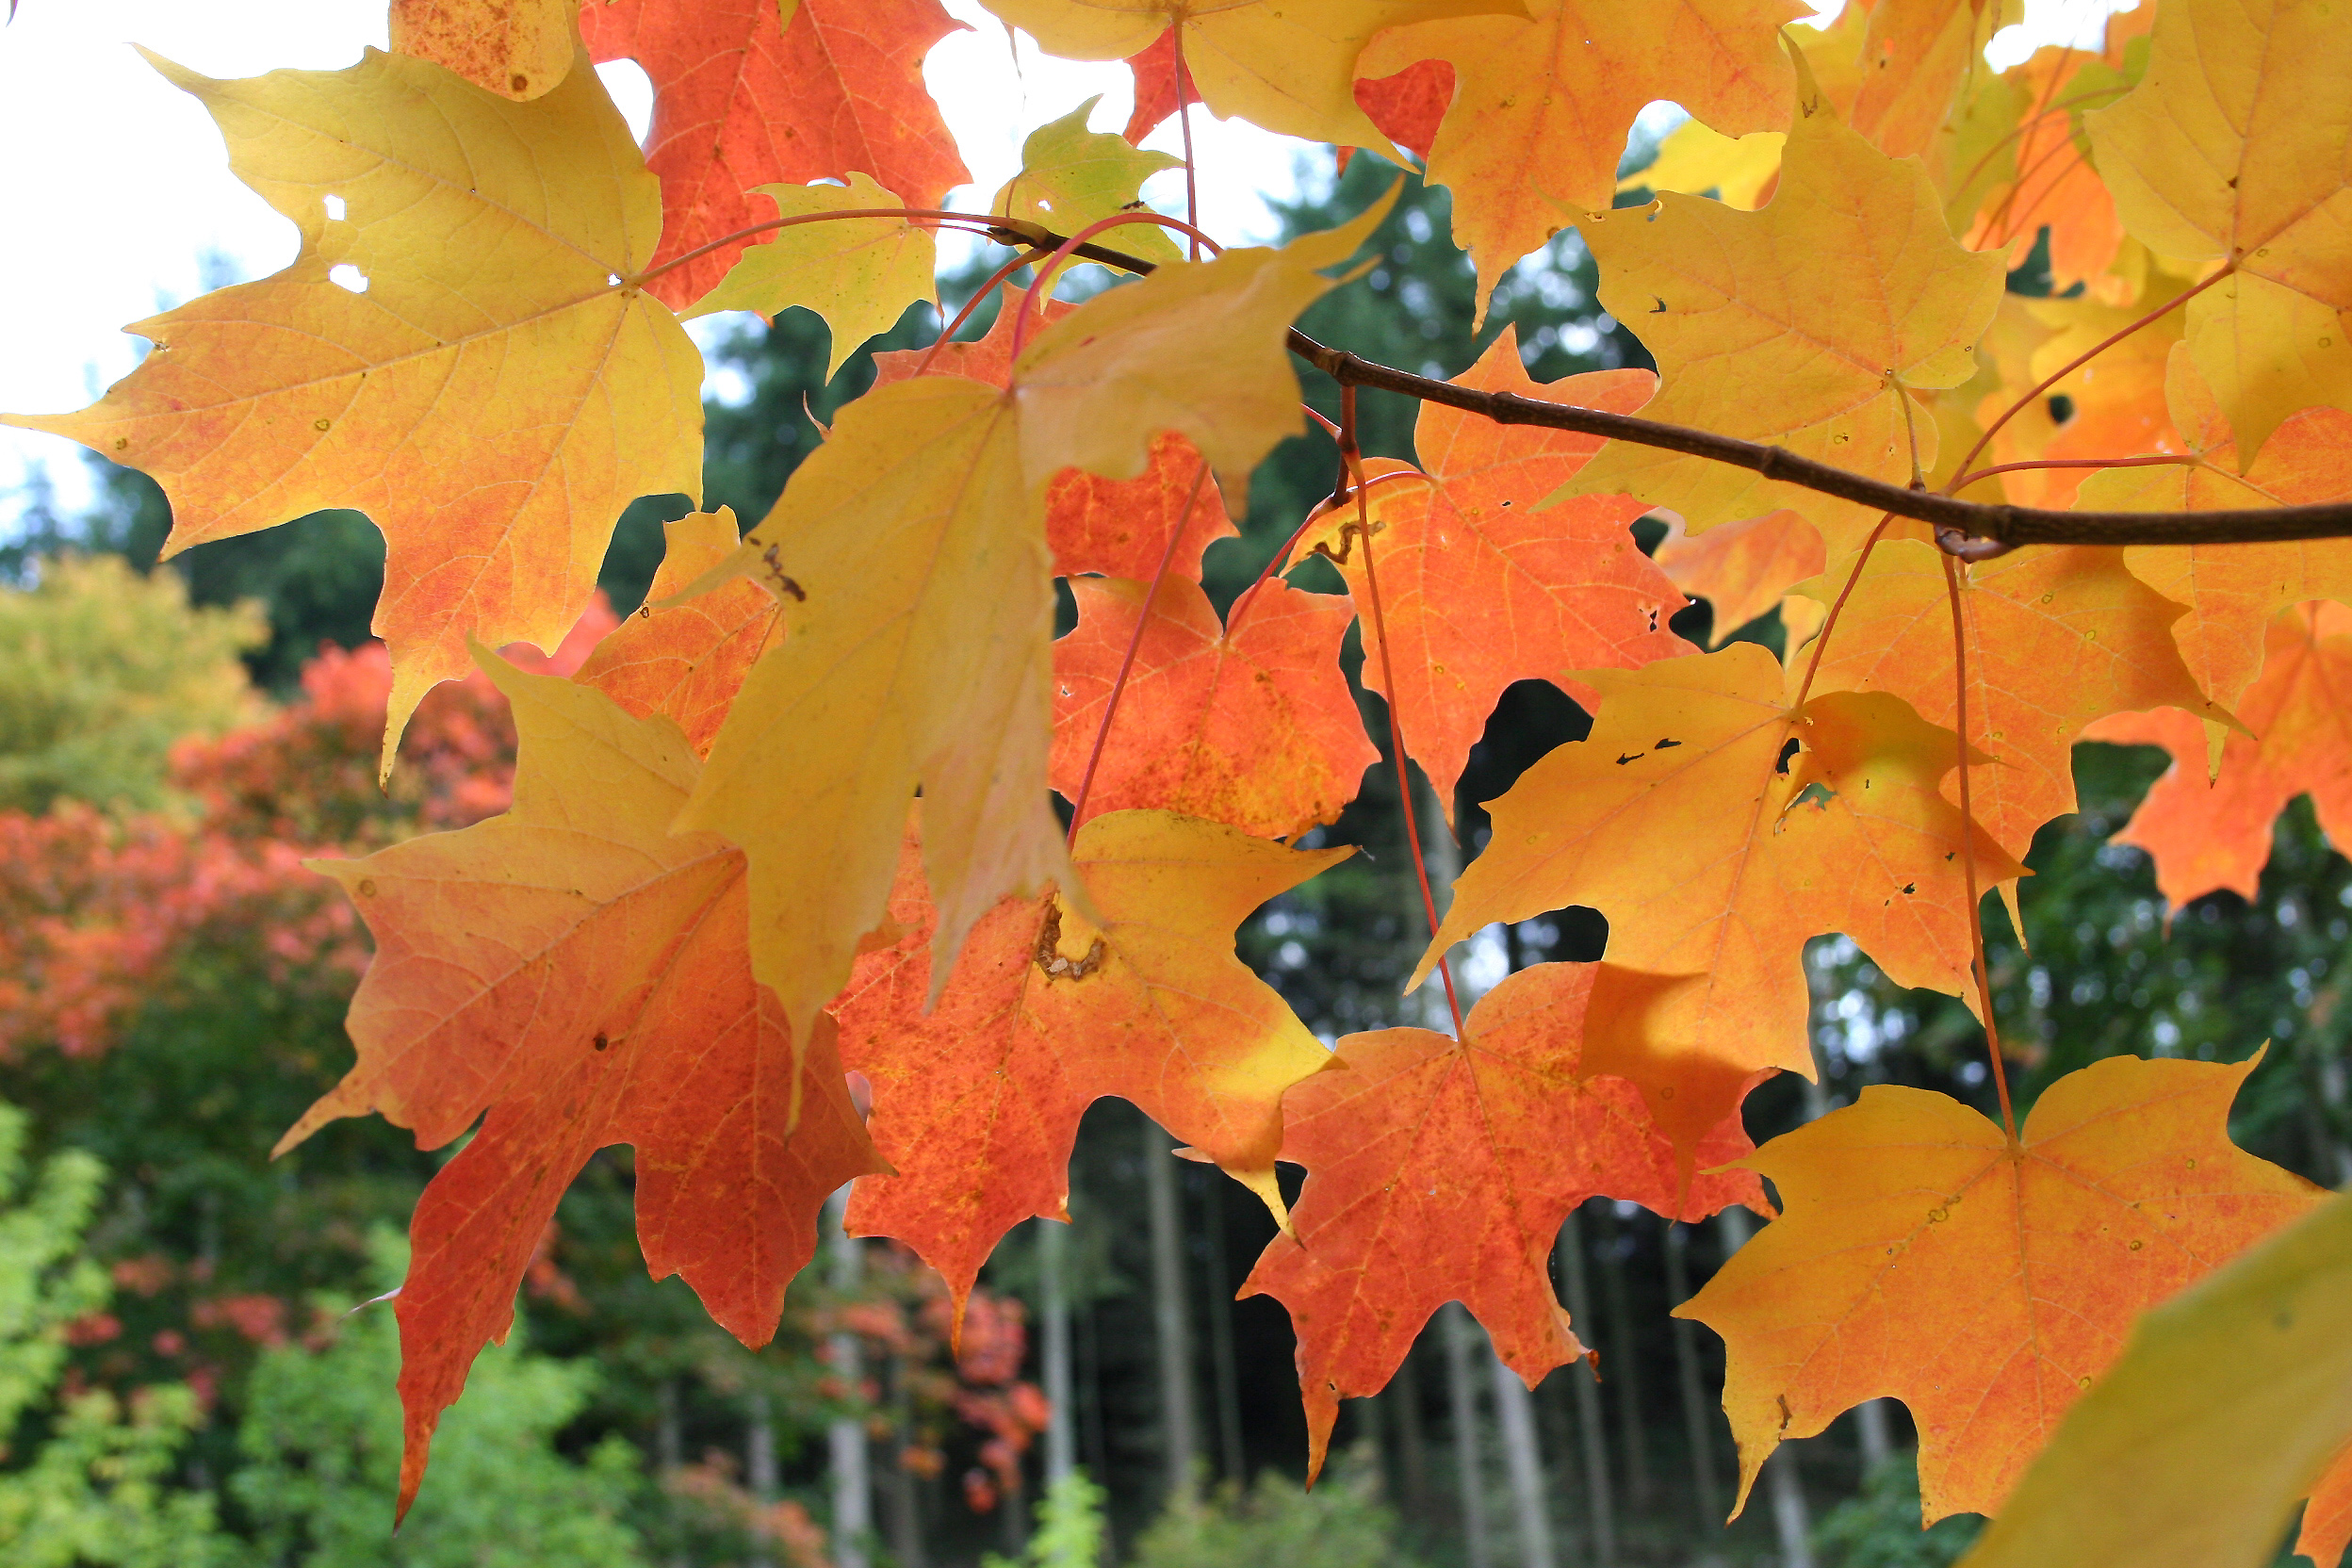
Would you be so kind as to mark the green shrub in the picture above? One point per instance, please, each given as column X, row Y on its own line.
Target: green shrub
column 1341, row 1524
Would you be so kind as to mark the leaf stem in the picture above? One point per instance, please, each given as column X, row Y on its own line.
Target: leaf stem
column 1968, row 850
column 1076, row 245
column 1183, row 122
column 971, row 304
column 1353, row 472
column 2153, row 459
column 1135, row 642
column 1820, row 639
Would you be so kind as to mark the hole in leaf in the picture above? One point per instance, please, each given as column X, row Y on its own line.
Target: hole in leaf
column 344, row 275
column 335, row 209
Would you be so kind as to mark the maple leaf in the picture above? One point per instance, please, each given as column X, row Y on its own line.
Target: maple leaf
column 2234, row 592
column 492, row 427
column 2037, row 173
column 859, row 273
column 1728, row 302
column 2215, row 156
column 584, row 976
column 1443, row 1171
column 1255, row 728
column 1479, row 588
column 2190, row 1451
column 2057, row 638
column 1715, row 852
column 748, row 92
column 1915, row 56
column 911, row 549
column 1408, row 106
column 1118, row 528
column 976, row 1100
column 1288, row 66
column 2208, row 832
column 1697, row 160
column 1922, row 1254
column 686, row 660
column 1071, row 177
column 517, row 49
column 1742, row 569
column 2118, row 401
column 1540, row 108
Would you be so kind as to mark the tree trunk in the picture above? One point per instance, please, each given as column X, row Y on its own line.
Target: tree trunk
column 1404, row 1397
column 1179, row 1431
column 905, row 1515
column 1790, row 1514
column 1698, row 1412
column 1469, row 1458
column 1523, row 1457
column 669, row 1446
column 1624, row 1359
column 759, row 1472
column 1061, row 1425
column 1221, row 1360
column 1586, row 1380
column 845, row 1439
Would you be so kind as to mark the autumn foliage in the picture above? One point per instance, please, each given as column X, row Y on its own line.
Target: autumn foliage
column 797, row 817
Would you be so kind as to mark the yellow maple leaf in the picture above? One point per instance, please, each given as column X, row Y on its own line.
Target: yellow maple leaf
column 859, row 273
column 1541, row 106
column 1843, row 295
column 1985, row 1282
column 1071, row 177
column 519, row 49
column 1697, row 160
column 1287, row 65
column 457, row 350
column 2218, row 155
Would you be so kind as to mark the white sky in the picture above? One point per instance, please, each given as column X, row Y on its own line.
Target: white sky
column 116, row 201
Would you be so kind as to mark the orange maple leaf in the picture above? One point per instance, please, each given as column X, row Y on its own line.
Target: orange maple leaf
column 584, row 976
column 976, row 1100
column 1718, row 831
column 1481, row 584
column 1442, row 1171
column 1922, row 1254
column 687, row 660
column 1915, row 56
column 2234, row 592
column 1541, row 106
column 2057, row 638
column 1742, row 569
column 2209, row 832
column 1255, row 728
column 742, row 100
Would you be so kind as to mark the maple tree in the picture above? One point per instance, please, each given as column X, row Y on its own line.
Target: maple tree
column 797, row 817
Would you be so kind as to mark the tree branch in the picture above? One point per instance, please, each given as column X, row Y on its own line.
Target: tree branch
column 1969, row 525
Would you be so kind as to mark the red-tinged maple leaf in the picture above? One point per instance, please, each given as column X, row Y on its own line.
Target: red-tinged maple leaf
column 2234, row 592
column 2057, row 638
column 2049, row 181
column 687, row 660
column 1478, row 587
column 2208, row 832
column 1406, row 107
column 2327, row 1517
column 1442, row 1171
column 1716, row 852
column 741, row 100
column 1742, row 569
column 1118, row 528
column 1982, row 1279
column 1256, row 729
column 584, row 976
column 976, row 1102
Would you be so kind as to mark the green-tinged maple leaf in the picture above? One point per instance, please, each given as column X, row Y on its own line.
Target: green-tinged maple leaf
column 1255, row 728
column 2217, row 155
column 1477, row 586
column 859, row 273
column 2209, row 828
column 976, row 1100
column 2223, row 1408
column 1442, row 1171
column 1922, row 1254
column 456, row 350
column 751, row 92
column 572, row 974
column 1716, row 853
column 1845, row 294
column 1287, row 65
column 1071, row 177
column 517, row 49
column 1542, row 105
column 2057, row 639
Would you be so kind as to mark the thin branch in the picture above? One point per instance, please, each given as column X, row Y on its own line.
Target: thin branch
column 1957, row 522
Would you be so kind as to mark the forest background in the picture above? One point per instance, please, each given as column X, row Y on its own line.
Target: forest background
column 190, row 1381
